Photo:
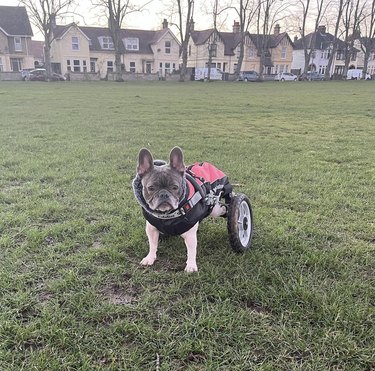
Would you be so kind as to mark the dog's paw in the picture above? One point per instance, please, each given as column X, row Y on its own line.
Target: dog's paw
column 191, row 268
column 148, row 260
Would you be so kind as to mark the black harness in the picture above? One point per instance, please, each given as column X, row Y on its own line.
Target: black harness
column 191, row 209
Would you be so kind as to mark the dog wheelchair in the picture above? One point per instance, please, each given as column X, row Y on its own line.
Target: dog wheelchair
column 209, row 187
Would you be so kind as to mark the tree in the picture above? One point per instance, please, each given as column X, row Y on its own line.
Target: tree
column 116, row 11
column 246, row 10
column 367, row 34
column 338, row 11
column 184, row 26
column 353, row 15
column 307, row 14
column 269, row 13
column 43, row 14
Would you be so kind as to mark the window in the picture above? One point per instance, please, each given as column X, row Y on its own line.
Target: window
column 17, row 44
column 132, row 66
column 84, row 66
column 76, row 65
column 189, row 50
column 167, row 47
column 109, row 66
column 93, row 65
column 213, row 49
column 106, row 42
column 68, row 66
column 167, row 68
column 132, row 43
column 353, row 56
column 325, row 54
column 16, row 64
column 340, row 55
column 75, row 44
column 1, row 64
column 283, row 53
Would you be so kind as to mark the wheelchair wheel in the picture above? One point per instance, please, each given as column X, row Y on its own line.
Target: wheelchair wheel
column 240, row 222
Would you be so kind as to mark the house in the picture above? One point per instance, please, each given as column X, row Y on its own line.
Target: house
column 321, row 42
column 15, row 39
column 225, row 49
column 361, row 45
column 90, row 49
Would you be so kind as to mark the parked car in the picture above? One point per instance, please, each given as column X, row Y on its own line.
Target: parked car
column 286, row 76
column 315, row 76
column 201, row 74
column 357, row 74
column 25, row 73
column 40, row 74
column 249, row 76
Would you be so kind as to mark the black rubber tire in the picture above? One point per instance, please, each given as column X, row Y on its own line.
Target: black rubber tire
column 240, row 222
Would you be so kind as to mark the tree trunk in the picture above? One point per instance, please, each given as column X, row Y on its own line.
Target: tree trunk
column 184, row 52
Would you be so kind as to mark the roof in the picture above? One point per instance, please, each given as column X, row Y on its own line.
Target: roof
column 318, row 41
column 14, row 21
column 232, row 39
column 146, row 38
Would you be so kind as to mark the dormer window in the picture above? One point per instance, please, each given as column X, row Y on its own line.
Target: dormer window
column 75, row 43
column 131, row 43
column 106, row 42
column 17, row 44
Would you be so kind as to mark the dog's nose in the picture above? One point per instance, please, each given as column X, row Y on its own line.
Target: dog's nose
column 163, row 195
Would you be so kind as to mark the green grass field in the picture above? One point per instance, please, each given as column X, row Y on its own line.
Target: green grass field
column 72, row 293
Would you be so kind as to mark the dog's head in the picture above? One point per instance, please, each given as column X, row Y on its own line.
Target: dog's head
column 162, row 186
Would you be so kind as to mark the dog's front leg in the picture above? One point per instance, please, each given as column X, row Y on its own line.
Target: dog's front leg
column 153, row 239
column 190, row 238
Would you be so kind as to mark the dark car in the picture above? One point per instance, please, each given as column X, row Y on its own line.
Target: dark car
column 315, row 76
column 40, row 74
column 312, row 76
column 249, row 76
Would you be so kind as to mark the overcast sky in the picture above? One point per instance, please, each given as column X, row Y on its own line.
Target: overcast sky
column 150, row 19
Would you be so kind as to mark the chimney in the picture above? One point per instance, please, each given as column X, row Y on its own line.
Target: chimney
column 165, row 24
column 322, row 29
column 191, row 24
column 236, row 27
column 276, row 30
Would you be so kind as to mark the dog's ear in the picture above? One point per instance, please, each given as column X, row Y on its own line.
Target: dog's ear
column 176, row 160
column 145, row 162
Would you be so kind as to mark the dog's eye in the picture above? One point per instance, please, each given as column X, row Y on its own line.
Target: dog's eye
column 175, row 187
column 151, row 189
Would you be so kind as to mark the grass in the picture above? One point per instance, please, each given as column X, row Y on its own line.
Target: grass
column 73, row 296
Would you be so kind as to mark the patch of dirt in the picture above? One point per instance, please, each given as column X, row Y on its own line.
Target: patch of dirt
column 120, row 295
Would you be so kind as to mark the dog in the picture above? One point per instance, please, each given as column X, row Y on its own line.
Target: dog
column 163, row 191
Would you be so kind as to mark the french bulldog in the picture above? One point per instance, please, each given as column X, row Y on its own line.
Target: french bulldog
column 162, row 189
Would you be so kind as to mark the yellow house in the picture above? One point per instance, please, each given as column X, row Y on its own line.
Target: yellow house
column 225, row 50
column 91, row 49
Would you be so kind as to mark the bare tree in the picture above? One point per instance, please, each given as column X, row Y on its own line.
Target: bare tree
column 246, row 11
column 185, row 19
column 307, row 14
column 269, row 13
column 43, row 14
column 116, row 11
column 338, row 9
column 367, row 33
column 353, row 15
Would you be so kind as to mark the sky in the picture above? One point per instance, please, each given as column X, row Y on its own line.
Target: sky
column 150, row 19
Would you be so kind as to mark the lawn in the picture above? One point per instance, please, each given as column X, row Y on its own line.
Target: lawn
column 72, row 293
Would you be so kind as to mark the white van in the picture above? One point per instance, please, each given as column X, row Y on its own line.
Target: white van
column 201, row 74
column 357, row 74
